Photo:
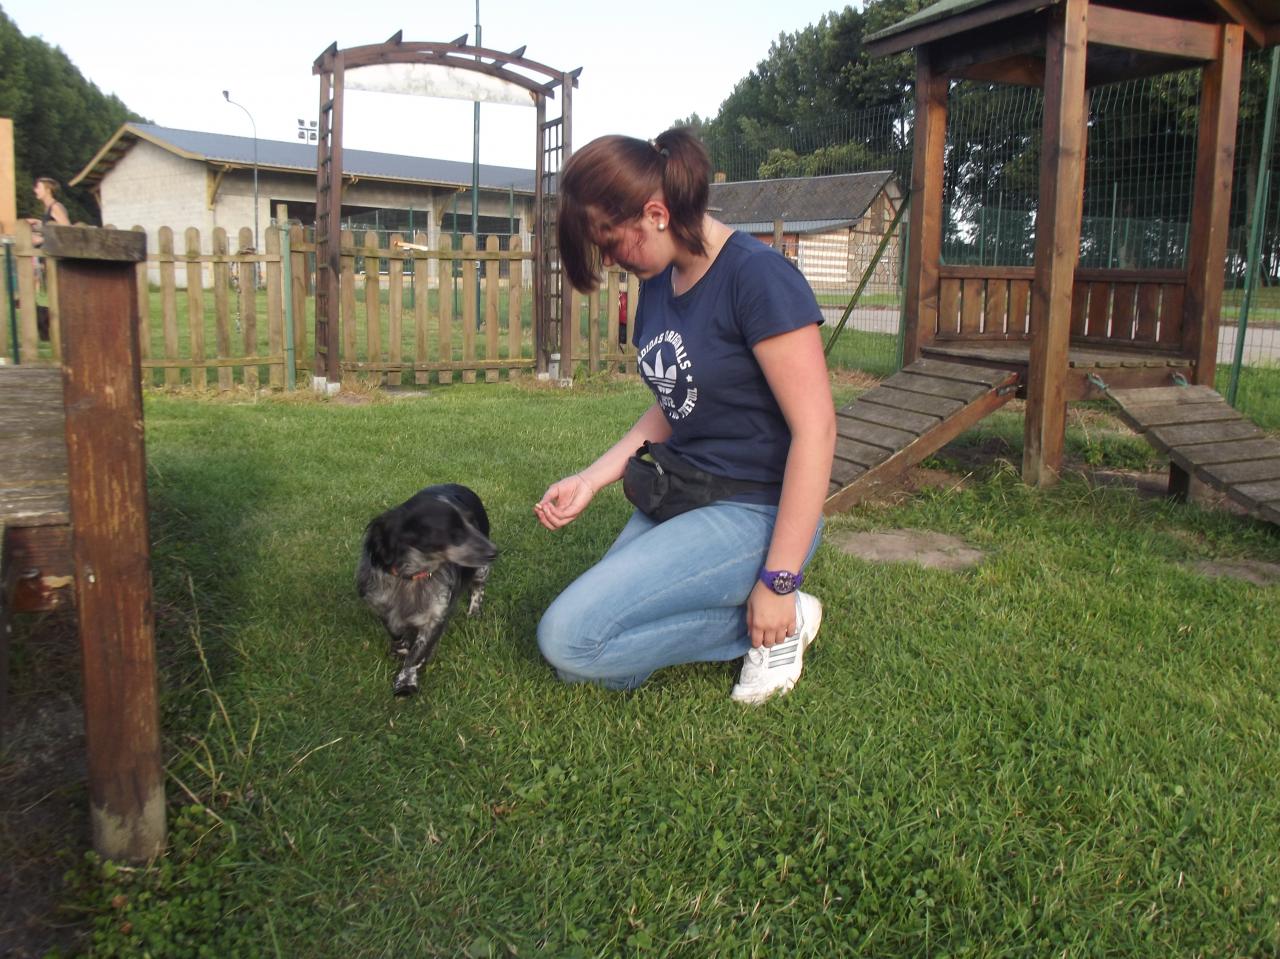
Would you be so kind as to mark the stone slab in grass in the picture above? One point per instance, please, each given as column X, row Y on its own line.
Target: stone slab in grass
column 1249, row 570
column 922, row 547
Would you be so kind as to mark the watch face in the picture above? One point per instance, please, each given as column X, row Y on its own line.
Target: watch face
column 782, row 582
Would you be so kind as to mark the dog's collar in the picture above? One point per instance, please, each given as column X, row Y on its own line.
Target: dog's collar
column 422, row 574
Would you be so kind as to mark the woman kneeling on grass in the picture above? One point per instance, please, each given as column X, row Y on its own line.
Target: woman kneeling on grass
column 726, row 333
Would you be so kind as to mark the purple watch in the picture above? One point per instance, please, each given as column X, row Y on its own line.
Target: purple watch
column 781, row 581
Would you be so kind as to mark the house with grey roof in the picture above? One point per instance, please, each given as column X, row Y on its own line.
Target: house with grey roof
column 154, row 176
column 830, row 225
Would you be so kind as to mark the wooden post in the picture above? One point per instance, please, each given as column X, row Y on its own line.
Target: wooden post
column 1057, row 241
column 273, row 275
column 492, row 267
column 924, row 253
column 169, row 306
column 470, row 305
column 8, row 183
column 515, row 293
column 247, row 276
column 1210, row 206
column 395, row 310
column 372, row 308
column 541, row 319
column 421, row 302
column 222, row 305
column 1215, row 156
column 195, row 309
column 107, row 480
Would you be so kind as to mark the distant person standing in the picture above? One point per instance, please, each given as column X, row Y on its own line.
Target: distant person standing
column 46, row 190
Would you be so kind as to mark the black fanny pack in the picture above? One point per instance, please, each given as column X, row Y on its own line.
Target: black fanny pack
column 665, row 485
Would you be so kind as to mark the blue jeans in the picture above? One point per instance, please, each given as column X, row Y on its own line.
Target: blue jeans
column 664, row 593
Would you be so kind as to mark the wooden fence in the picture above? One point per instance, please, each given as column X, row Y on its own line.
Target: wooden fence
column 1109, row 307
column 223, row 316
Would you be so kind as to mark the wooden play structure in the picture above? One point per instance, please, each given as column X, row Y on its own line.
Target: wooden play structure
column 411, row 67
column 977, row 336
column 74, row 531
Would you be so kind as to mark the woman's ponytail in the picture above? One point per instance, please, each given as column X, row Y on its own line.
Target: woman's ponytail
column 685, row 174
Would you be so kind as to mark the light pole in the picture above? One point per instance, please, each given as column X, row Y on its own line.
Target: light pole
column 227, row 96
column 475, row 173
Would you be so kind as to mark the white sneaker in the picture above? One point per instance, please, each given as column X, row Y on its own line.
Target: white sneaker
column 774, row 671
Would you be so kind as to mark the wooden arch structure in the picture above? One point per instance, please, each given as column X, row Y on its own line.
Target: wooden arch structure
column 1055, row 326
column 553, row 146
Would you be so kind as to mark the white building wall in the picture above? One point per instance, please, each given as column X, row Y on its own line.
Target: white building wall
column 866, row 238
column 824, row 258
column 151, row 188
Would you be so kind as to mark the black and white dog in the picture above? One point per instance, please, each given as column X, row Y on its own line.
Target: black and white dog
column 416, row 560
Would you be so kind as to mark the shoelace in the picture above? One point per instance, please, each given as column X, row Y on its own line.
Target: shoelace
column 784, row 651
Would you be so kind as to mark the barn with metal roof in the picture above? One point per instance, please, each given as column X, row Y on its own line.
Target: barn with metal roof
column 830, row 224
column 155, row 176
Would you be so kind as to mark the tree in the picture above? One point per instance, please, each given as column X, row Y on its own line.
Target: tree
column 60, row 119
column 818, row 90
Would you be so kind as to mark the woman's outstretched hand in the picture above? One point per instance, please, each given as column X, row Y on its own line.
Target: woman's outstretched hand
column 563, row 501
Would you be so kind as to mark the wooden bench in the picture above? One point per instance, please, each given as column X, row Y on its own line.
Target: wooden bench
column 74, row 528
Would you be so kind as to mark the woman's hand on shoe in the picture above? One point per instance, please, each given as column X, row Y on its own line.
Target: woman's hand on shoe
column 770, row 618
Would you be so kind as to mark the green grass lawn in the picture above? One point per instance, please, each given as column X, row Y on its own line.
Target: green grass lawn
column 1069, row 750
column 1264, row 305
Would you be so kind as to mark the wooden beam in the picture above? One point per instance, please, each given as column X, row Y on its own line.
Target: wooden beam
column 1241, row 14
column 1023, row 70
column 1023, row 35
column 924, row 243
column 1151, row 34
column 1057, row 240
column 107, row 484
column 212, row 181
column 1211, row 204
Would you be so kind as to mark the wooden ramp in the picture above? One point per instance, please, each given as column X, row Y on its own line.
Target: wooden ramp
column 915, row 412
column 1209, row 440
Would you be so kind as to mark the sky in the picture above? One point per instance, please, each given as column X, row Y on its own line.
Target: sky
column 644, row 65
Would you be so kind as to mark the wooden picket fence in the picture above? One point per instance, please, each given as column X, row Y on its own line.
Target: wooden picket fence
column 223, row 317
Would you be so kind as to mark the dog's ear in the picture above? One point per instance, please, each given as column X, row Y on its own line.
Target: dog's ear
column 380, row 540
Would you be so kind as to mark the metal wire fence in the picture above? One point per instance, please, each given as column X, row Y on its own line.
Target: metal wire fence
column 1139, row 172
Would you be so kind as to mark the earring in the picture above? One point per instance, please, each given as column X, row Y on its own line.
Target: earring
column 661, row 226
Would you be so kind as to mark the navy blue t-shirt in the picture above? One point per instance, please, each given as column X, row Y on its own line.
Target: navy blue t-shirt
column 694, row 352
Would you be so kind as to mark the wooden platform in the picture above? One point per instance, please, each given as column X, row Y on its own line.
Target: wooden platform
column 915, row 412
column 35, row 518
column 1209, row 440
column 1124, row 368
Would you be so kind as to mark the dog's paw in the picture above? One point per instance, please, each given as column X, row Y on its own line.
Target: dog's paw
column 405, row 683
column 477, row 597
column 399, row 650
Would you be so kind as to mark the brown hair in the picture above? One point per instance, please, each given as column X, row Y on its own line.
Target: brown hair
column 618, row 175
column 50, row 182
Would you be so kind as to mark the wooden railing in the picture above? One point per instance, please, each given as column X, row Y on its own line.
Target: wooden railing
column 224, row 315
column 1140, row 308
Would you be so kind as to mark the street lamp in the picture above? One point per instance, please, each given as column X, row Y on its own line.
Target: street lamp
column 226, row 95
